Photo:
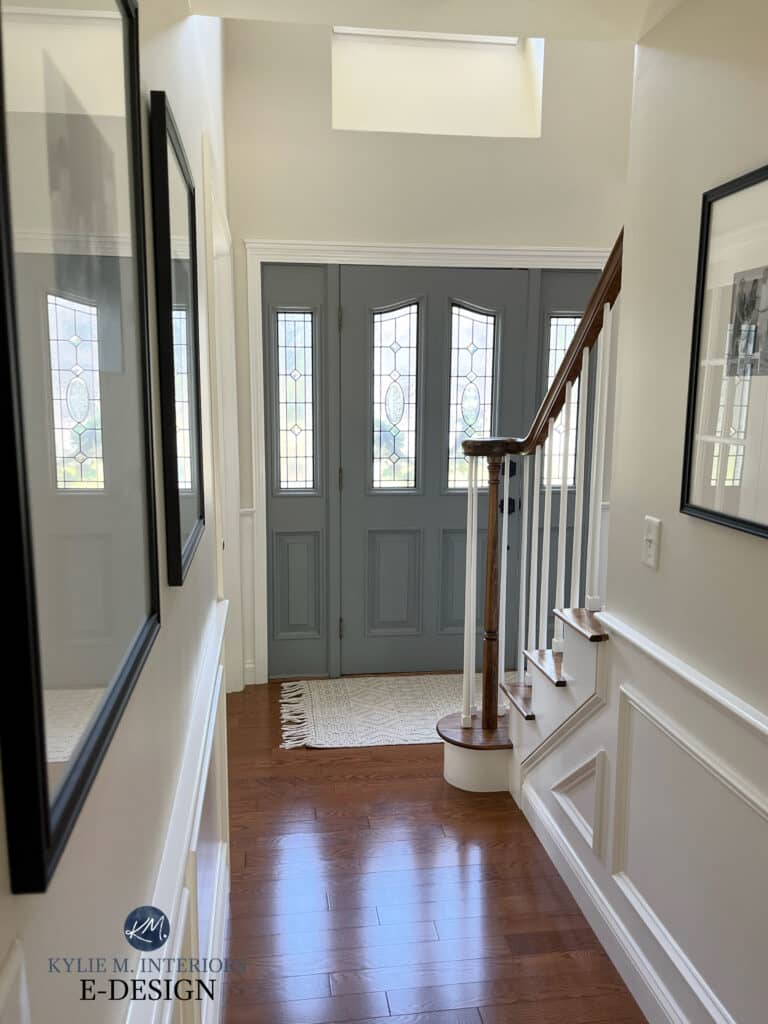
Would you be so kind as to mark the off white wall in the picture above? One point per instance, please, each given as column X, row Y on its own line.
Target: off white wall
column 700, row 87
column 436, row 87
column 291, row 176
column 111, row 861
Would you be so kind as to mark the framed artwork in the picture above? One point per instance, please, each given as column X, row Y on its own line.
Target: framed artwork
column 725, row 472
column 173, row 203
column 81, row 556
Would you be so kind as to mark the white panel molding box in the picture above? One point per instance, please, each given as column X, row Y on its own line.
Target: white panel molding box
column 673, row 878
column 592, row 770
column 631, row 704
column 253, row 521
column 14, row 995
column 176, row 890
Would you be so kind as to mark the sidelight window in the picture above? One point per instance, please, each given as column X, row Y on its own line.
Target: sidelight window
column 395, row 357
column 295, row 401
column 561, row 332
column 76, row 394
column 473, row 342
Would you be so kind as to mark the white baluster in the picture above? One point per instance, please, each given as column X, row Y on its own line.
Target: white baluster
column 594, row 598
column 578, row 506
column 470, row 596
column 546, row 541
column 505, row 468
column 521, row 612
column 557, row 643
column 534, row 581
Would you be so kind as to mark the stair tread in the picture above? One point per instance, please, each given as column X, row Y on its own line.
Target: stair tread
column 475, row 737
column 519, row 695
column 584, row 622
column 549, row 663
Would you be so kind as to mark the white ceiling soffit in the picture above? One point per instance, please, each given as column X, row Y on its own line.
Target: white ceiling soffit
column 565, row 19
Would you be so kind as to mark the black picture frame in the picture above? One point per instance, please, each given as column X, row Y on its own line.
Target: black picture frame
column 687, row 505
column 164, row 133
column 38, row 829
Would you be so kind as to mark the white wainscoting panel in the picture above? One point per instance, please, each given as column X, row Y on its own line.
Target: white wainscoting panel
column 581, row 795
column 675, row 884
column 14, row 996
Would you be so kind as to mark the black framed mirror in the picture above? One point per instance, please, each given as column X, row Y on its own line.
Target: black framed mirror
column 81, row 556
column 173, row 203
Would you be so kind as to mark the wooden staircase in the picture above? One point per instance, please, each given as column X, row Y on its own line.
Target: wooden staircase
column 556, row 672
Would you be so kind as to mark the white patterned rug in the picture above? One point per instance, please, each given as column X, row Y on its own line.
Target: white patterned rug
column 369, row 711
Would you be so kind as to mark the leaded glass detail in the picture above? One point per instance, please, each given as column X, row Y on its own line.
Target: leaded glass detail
column 473, row 340
column 295, row 401
column 728, row 457
column 395, row 358
column 76, row 394
column 181, row 393
column 561, row 332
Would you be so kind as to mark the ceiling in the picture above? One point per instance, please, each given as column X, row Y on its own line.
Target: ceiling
column 565, row 19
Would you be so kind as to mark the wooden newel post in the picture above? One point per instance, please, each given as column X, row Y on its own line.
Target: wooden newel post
column 491, row 616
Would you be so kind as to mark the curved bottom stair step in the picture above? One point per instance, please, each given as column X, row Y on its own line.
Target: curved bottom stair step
column 520, row 697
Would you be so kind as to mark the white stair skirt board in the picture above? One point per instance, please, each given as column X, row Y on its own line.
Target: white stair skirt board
column 367, row 711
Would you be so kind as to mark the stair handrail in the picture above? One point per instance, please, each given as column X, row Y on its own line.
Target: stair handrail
column 605, row 293
column 498, row 451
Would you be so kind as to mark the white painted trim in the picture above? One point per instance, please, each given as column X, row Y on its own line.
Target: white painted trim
column 170, row 888
column 582, row 714
column 167, row 1007
column 14, row 992
column 438, row 37
column 71, row 243
column 265, row 250
column 716, row 694
column 641, row 978
column 59, row 14
column 631, row 700
column 593, row 834
column 211, row 1010
column 426, row 255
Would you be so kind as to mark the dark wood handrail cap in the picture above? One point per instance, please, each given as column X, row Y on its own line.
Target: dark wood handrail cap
column 476, row 737
column 491, row 446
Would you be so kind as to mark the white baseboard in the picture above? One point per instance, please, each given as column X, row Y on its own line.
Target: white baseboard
column 654, row 998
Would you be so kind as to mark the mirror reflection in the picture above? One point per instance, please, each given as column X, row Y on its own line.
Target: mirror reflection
column 184, row 359
column 79, row 338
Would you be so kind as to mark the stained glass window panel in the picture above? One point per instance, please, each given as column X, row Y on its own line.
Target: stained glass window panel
column 295, row 401
column 395, row 358
column 561, row 332
column 76, row 394
column 181, row 389
column 473, row 339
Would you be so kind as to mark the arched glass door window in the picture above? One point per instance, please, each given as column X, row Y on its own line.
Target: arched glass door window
column 473, row 349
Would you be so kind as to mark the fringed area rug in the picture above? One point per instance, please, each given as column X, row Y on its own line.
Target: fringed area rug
column 369, row 711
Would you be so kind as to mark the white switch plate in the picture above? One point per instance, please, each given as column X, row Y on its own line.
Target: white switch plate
column 651, row 542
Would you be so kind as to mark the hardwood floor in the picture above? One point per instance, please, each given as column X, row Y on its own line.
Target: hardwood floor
column 365, row 889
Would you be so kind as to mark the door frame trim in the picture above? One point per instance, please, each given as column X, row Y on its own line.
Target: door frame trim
column 260, row 251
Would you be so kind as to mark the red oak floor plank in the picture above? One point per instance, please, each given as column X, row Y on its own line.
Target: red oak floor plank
column 366, row 890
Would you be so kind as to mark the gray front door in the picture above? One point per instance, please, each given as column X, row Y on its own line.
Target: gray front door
column 423, row 355
column 374, row 377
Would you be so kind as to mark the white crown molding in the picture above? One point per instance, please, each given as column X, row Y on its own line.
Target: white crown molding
column 63, row 243
column 593, row 833
column 425, row 255
column 723, row 699
column 28, row 14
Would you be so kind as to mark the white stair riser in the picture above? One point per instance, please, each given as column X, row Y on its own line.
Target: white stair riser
column 552, row 704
